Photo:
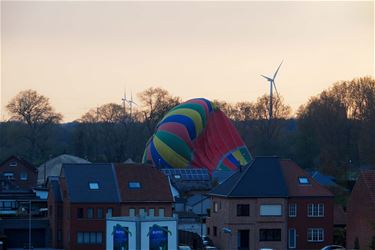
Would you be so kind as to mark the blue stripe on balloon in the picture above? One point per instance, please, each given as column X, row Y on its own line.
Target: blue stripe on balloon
column 156, row 158
column 233, row 160
column 184, row 120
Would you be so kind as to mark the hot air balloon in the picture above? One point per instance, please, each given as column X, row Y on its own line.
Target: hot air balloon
column 196, row 134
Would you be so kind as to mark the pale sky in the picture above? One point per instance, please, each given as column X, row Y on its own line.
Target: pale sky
column 83, row 54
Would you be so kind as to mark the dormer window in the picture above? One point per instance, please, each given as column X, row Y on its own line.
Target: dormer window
column 94, row 185
column 177, row 176
column 134, row 185
column 13, row 164
column 303, row 180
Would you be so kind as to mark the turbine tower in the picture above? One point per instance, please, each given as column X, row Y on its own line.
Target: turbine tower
column 272, row 84
column 130, row 102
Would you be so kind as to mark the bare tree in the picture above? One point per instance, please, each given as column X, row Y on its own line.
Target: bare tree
column 35, row 111
column 156, row 102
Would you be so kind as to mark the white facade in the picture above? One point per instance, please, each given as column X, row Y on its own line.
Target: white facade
column 140, row 229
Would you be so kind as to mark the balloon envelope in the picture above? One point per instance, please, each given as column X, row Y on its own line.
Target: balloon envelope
column 196, row 134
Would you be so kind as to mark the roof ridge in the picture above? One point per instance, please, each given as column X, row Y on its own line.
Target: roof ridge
column 239, row 179
column 118, row 190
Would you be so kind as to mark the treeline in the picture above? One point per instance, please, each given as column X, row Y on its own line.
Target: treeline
column 333, row 132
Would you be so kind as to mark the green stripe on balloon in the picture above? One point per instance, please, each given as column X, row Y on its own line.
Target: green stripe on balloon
column 175, row 142
column 169, row 155
column 192, row 114
column 194, row 106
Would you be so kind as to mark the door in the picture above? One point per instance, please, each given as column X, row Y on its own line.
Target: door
column 243, row 239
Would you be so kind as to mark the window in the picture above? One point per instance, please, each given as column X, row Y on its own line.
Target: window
column 59, row 235
column 216, row 207
column 132, row 212
column 142, row 212
column 292, row 238
column 99, row 213
column 215, row 231
column 23, row 176
column 99, row 238
column 80, row 212
column 177, row 176
column 161, row 212
column 89, row 237
column 109, row 211
column 243, row 210
column 270, row 210
column 8, row 175
column 13, row 164
column 315, row 235
column 90, row 213
column 292, row 210
column 303, row 180
column 79, row 237
column 93, row 185
column 134, row 185
column 151, row 212
column 315, row 210
column 269, row 234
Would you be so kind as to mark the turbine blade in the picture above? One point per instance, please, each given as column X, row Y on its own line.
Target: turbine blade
column 274, row 85
column 274, row 76
column 268, row 79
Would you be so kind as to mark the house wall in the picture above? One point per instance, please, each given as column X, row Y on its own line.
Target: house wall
column 302, row 222
column 360, row 217
column 226, row 216
column 167, row 206
column 17, row 170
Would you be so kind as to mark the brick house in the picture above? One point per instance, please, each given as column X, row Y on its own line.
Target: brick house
column 251, row 208
column 310, row 209
column 90, row 191
column 17, row 173
column 361, row 211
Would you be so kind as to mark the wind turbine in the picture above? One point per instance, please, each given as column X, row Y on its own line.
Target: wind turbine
column 123, row 99
column 131, row 102
column 272, row 84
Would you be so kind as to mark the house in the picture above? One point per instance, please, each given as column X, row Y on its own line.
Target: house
column 87, row 193
column 53, row 166
column 254, row 208
column 310, row 209
column 361, row 212
column 19, row 211
column 17, row 173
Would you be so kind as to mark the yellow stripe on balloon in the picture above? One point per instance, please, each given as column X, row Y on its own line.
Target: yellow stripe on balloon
column 237, row 154
column 192, row 114
column 169, row 155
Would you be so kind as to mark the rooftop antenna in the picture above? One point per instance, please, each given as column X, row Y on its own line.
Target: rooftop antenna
column 272, row 84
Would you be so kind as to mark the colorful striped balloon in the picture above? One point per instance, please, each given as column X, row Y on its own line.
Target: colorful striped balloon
column 196, row 134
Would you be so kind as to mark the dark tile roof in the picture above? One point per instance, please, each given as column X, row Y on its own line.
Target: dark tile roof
column 195, row 199
column 368, row 178
column 154, row 184
column 262, row 178
column 292, row 172
column 55, row 187
column 78, row 177
column 322, row 179
column 221, row 175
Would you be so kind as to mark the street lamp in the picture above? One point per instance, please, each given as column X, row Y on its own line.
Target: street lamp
column 228, row 231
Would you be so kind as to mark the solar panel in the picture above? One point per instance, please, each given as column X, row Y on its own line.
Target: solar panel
column 193, row 174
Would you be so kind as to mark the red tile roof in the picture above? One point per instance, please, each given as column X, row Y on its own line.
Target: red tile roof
column 368, row 178
column 292, row 172
column 154, row 184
